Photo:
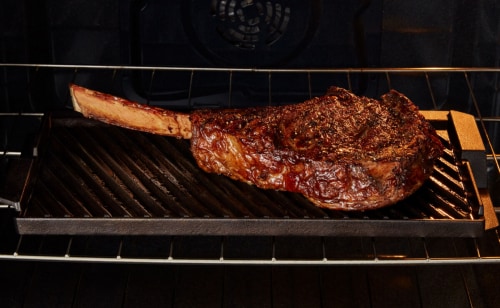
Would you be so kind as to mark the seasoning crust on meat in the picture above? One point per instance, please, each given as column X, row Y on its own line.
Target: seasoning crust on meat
column 340, row 150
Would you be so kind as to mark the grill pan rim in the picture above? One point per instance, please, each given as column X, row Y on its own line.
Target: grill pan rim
column 250, row 226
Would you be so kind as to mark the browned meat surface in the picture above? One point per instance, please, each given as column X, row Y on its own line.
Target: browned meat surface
column 341, row 151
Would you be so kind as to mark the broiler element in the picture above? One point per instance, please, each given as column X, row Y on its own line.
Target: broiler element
column 341, row 151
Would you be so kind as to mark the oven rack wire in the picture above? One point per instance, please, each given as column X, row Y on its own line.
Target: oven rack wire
column 415, row 251
column 275, row 251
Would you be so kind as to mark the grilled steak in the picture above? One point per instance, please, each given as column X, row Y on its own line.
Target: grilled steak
column 341, row 151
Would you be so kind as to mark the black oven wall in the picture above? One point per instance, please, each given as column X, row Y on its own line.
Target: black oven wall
column 265, row 34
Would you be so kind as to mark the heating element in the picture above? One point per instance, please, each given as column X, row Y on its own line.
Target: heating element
column 88, row 180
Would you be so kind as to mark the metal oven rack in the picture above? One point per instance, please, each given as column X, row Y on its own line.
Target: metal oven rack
column 268, row 250
column 258, row 251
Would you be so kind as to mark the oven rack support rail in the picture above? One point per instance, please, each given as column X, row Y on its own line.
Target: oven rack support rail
column 366, row 251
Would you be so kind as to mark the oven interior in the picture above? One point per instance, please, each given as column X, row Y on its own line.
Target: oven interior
column 111, row 204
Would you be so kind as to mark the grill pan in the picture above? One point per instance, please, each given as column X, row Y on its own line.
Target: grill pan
column 92, row 178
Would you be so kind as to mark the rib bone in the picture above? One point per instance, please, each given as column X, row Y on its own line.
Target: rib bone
column 118, row 111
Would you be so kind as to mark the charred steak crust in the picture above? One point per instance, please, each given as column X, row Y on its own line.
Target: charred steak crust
column 340, row 150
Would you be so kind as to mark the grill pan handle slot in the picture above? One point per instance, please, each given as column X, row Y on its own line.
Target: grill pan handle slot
column 465, row 135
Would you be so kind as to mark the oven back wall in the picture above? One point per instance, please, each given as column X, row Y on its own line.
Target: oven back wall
column 270, row 34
